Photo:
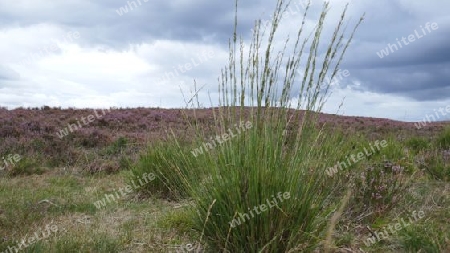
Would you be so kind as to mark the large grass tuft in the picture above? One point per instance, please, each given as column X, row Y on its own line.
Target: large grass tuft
column 266, row 185
column 261, row 184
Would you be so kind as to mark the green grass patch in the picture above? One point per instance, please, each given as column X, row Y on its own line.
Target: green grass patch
column 443, row 140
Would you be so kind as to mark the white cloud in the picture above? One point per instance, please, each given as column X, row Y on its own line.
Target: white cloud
column 96, row 77
column 371, row 104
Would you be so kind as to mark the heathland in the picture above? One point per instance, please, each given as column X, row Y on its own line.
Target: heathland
column 278, row 176
column 59, row 180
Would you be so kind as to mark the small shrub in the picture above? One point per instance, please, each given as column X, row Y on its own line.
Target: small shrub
column 417, row 144
column 125, row 163
column 393, row 151
column 118, row 146
column 38, row 144
column 436, row 164
column 379, row 188
column 25, row 166
column 180, row 219
column 429, row 238
column 443, row 140
column 103, row 165
column 90, row 138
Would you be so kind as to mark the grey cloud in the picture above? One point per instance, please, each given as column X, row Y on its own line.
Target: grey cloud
column 419, row 71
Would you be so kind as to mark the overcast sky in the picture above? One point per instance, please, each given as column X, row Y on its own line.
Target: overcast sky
column 102, row 53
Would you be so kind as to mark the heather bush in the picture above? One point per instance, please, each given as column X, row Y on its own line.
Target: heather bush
column 379, row 188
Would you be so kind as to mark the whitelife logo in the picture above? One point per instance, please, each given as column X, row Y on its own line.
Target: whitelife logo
column 378, row 236
column 356, row 158
column 411, row 38
column 190, row 248
column 47, row 50
column 11, row 160
column 128, row 189
column 431, row 118
column 205, row 56
column 32, row 239
column 221, row 139
column 328, row 81
column 74, row 127
column 130, row 4
column 289, row 13
column 263, row 208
